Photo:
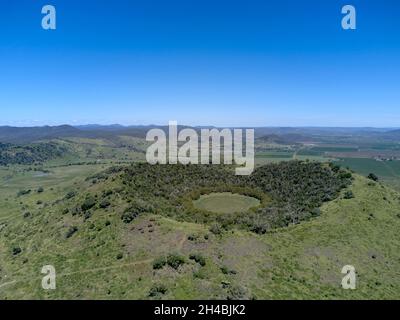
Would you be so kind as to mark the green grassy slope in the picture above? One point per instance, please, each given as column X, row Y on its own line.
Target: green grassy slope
column 109, row 259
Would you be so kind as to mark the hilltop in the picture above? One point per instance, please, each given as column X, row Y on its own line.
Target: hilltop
column 107, row 239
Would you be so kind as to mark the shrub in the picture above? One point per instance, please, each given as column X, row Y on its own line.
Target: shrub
column 129, row 216
column 141, row 206
column 259, row 228
column 107, row 192
column 159, row 263
column 87, row 215
column 373, row 177
column 348, row 195
column 16, row 250
column 216, row 229
column 226, row 270
column 344, row 174
column 316, row 212
column 334, row 167
column 71, row 231
column 237, row 293
column 157, row 290
column 198, row 258
column 104, row 204
column 70, row 195
column 137, row 207
column 192, row 237
column 88, row 203
column 40, row 190
column 75, row 211
column 23, row 192
column 175, row 261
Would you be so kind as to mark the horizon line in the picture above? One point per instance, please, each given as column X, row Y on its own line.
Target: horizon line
column 193, row 126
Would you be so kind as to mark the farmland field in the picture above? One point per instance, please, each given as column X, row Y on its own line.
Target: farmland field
column 388, row 171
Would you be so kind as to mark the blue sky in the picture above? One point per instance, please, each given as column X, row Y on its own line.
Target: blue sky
column 200, row 62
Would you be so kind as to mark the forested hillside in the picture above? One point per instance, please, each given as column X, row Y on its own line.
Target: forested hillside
column 30, row 154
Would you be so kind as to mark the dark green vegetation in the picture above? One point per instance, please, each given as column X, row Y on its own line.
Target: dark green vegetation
column 30, row 154
column 289, row 192
column 117, row 230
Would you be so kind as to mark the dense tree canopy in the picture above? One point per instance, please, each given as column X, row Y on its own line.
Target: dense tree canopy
column 289, row 191
column 30, row 154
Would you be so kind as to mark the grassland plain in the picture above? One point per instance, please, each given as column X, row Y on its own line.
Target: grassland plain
column 106, row 258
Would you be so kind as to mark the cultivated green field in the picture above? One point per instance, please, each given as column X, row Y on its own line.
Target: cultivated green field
column 387, row 171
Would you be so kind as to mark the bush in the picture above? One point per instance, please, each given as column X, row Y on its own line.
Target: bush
column 159, row 263
column 198, row 258
column 87, row 215
column 316, row 212
column 373, row 177
column 70, row 195
column 216, row 229
column 348, row 195
column 192, row 237
column 259, row 228
column 129, row 216
column 16, row 251
column 334, row 167
column 343, row 174
column 226, row 270
column 71, row 231
column 104, row 204
column 137, row 207
column 175, row 261
column 23, row 192
column 237, row 293
column 40, row 190
column 107, row 193
column 157, row 290
column 88, row 203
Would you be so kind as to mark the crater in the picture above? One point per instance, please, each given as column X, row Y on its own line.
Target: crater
column 225, row 202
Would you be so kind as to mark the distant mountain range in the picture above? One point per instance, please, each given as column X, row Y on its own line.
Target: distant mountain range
column 22, row 135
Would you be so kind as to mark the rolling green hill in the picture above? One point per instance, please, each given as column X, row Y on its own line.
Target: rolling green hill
column 107, row 242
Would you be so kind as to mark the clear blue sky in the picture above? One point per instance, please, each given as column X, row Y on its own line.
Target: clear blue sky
column 200, row 62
